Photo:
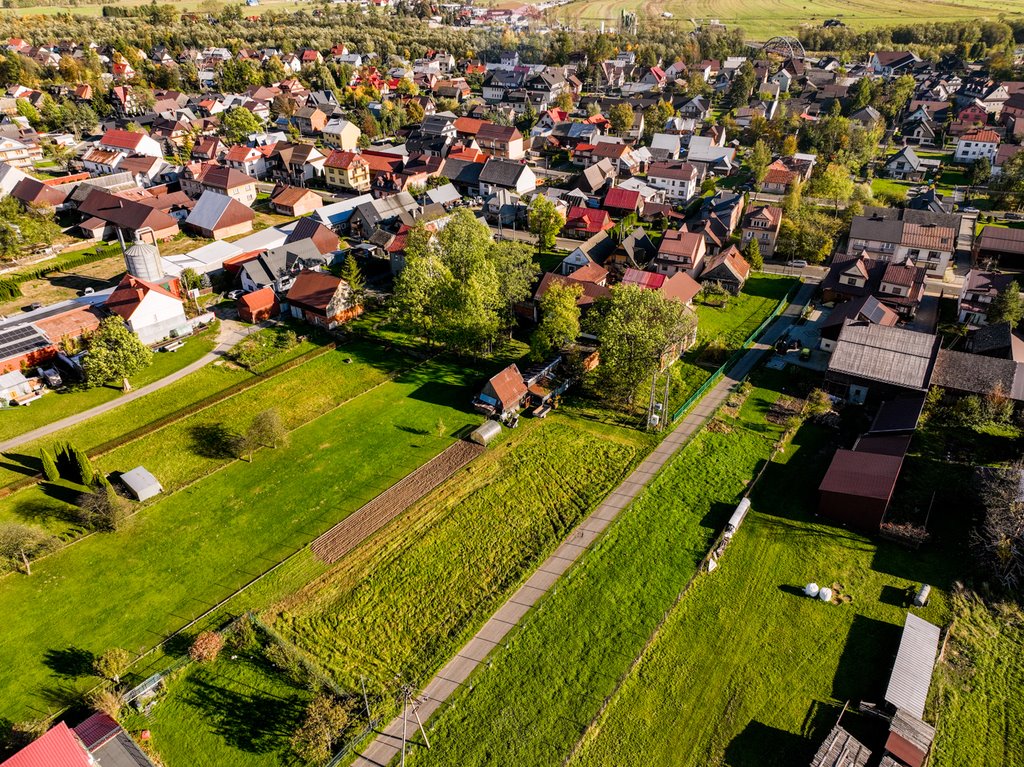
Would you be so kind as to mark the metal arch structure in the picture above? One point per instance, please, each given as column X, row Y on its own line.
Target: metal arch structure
column 783, row 45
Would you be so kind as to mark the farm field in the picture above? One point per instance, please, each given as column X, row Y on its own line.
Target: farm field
column 404, row 601
column 761, row 19
column 977, row 687
column 747, row 670
column 56, row 405
column 587, row 632
column 188, row 551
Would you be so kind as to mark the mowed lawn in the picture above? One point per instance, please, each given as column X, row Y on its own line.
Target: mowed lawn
column 54, row 406
column 187, row 449
column 185, row 553
column 977, row 688
column 761, row 19
column 744, row 313
column 747, row 670
column 540, row 691
column 406, row 600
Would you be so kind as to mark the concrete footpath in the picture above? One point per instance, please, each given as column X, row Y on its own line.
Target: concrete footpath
column 230, row 333
column 388, row 742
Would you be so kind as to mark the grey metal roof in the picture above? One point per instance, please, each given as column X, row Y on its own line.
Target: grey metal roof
column 978, row 374
column 915, row 661
column 887, row 354
column 121, row 751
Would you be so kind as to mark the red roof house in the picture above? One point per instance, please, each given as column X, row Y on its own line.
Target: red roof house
column 584, row 222
column 258, row 306
column 58, row 747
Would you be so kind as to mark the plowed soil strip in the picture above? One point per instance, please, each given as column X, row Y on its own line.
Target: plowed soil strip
column 368, row 519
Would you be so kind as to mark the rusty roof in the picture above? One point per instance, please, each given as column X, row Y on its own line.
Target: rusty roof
column 862, row 474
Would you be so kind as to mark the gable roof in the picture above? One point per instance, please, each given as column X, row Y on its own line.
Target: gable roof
column 215, row 210
column 509, row 386
column 122, row 139
column 314, row 290
column 129, row 293
column 887, row 354
column 58, row 747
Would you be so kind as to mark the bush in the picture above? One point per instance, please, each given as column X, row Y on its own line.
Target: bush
column 49, row 465
column 109, row 702
column 325, row 720
column 101, row 509
column 112, row 664
column 86, row 472
column 206, row 647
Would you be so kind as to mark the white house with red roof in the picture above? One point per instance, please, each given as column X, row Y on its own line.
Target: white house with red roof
column 150, row 311
column 975, row 145
column 130, row 142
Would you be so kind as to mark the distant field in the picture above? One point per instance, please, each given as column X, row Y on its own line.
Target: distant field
column 763, row 18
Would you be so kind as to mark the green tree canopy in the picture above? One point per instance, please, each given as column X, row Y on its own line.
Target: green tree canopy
column 621, row 117
column 635, row 328
column 114, row 352
column 237, row 124
column 544, row 220
column 1007, row 306
column 559, row 319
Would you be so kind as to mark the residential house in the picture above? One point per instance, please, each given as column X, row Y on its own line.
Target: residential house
column 977, row 293
column 217, row 216
column 621, row 202
column 501, row 141
column 130, row 142
column 681, row 251
column 498, row 173
column 728, row 269
column 892, row 63
column 863, row 310
column 277, row 267
column 295, row 163
column 347, row 170
column 294, row 201
column 103, row 214
column 897, row 284
column 150, row 311
column 895, row 234
column 762, row 223
column 248, row 160
column 678, row 287
column 975, row 145
column 341, row 134
column 321, row 299
column 905, row 164
column 309, row 120
column 583, row 222
column 503, row 394
column 201, row 177
column 679, row 180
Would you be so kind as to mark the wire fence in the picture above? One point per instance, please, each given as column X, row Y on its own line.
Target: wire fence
column 736, row 356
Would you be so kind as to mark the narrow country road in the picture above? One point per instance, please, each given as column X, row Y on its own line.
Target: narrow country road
column 388, row 743
column 230, row 333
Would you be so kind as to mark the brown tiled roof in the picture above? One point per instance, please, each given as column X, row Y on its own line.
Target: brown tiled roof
column 928, row 236
column 314, row 289
column 866, row 475
column 129, row 294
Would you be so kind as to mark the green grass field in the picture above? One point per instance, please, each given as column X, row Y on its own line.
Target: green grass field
column 195, row 547
column 761, row 19
column 749, row 671
column 978, row 687
column 737, row 320
column 56, row 405
column 536, row 697
column 406, row 600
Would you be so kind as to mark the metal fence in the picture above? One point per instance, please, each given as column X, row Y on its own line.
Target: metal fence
column 735, row 357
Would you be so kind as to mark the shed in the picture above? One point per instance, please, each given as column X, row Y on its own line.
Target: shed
column 485, row 432
column 915, row 661
column 841, row 749
column 258, row 306
column 909, row 739
column 142, row 484
column 503, row 394
column 857, row 488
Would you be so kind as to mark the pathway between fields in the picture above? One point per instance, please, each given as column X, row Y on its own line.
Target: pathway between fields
column 388, row 743
column 229, row 334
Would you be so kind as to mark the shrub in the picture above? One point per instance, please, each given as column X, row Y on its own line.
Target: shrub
column 326, row 718
column 109, row 702
column 49, row 465
column 86, row 472
column 206, row 647
column 112, row 664
column 101, row 509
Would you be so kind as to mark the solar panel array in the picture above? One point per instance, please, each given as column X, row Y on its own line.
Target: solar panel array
column 21, row 339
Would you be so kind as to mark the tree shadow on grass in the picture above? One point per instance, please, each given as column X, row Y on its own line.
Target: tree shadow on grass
column 412, row 430
column 213, row 440
column 39, row 509
column 62, row 493
column 22, row 464
column 760, row 745
column 252, row 720
column 70, row 662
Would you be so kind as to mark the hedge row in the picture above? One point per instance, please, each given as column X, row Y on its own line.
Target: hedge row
column 9, row 285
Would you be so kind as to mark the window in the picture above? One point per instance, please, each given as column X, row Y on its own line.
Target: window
column 851, row 280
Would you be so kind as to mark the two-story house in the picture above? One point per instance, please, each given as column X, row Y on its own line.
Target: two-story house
column 975, row 145
column 679, row 180
column 681, row 251
column 898, row 285
column 130, row 142
column 247, row 160
column 762, row 224
column 977, row 293
column 503, row 141
column 347, row 170
column 895, row 234
column 200, row 177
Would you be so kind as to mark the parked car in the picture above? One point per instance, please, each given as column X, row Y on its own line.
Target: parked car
column 784, row 345
column 88, row 291
column 234, row 295
column 797, row 263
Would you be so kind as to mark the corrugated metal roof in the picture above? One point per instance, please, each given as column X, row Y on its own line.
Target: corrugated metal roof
column 58, row 747
column 915, row 661
column 862, row 474
column 888, row 354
